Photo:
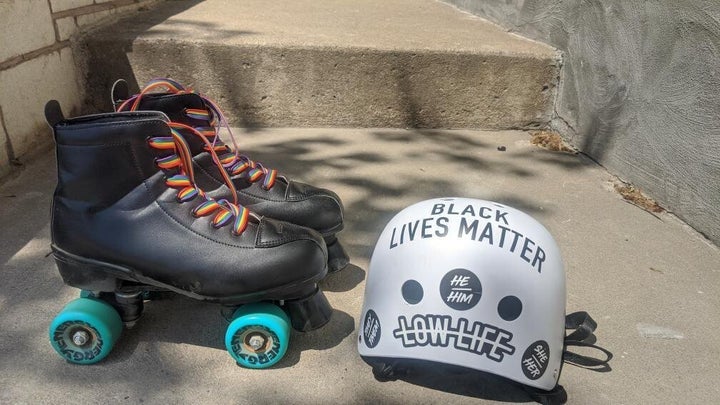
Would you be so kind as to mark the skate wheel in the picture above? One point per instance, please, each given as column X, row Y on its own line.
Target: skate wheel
column 258, row 335
column 85, row 331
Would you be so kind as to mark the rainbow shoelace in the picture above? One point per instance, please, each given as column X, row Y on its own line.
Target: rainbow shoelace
column 178, row 166
column 227, row 160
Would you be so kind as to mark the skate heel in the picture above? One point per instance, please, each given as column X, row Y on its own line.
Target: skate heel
column 338, row 258
column 309, row 313
column 84, row 274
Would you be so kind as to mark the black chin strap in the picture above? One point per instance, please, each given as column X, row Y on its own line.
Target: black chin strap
column 581, row 327
column 582, row 336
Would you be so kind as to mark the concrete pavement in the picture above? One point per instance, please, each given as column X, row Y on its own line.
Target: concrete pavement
column 649, row 280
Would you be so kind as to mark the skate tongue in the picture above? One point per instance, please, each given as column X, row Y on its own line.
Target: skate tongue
column 53, row 113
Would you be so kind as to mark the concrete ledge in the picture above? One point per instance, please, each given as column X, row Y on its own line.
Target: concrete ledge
column 364, row 64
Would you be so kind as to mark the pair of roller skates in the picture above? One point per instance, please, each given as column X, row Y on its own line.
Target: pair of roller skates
column 150, row 200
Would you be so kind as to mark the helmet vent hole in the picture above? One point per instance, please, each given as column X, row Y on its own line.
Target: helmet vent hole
column 510, row 308
column 412, row 292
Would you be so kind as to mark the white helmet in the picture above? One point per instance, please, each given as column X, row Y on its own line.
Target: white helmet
column 470, row 283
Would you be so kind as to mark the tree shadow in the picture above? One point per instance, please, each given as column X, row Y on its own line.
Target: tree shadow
column 344, row 280
column 383, row 171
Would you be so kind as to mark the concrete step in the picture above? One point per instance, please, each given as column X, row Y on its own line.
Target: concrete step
column 361, row 63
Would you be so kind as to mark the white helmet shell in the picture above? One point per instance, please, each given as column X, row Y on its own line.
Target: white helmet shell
column 471, row 283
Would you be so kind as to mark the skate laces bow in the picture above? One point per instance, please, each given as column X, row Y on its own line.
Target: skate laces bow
column 228, row 160
column 184, row 181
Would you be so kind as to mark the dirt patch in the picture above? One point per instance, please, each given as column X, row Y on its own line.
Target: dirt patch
column 550, row 141
column 635, row 196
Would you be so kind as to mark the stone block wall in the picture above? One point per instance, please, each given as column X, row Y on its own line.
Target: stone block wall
column 37, row 64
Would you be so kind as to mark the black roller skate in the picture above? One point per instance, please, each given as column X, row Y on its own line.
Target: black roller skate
column 128, row 218
column 261, row 189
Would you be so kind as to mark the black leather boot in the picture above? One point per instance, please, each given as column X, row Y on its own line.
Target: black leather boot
column 128, row 217
column 261, row 189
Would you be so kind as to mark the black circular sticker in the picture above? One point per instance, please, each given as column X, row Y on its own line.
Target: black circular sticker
column 510, row 308
column 535, row 360
column 412, row 292
column 460, row 289
column 371, row 329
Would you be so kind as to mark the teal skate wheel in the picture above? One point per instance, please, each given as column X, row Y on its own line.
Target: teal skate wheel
column 258, row 335
column 85, row 331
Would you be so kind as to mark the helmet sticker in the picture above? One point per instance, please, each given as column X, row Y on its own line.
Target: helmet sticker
column 460, row 289
column 442, row 331
column 535, row 360
column 482, row 223
column 371, row 329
